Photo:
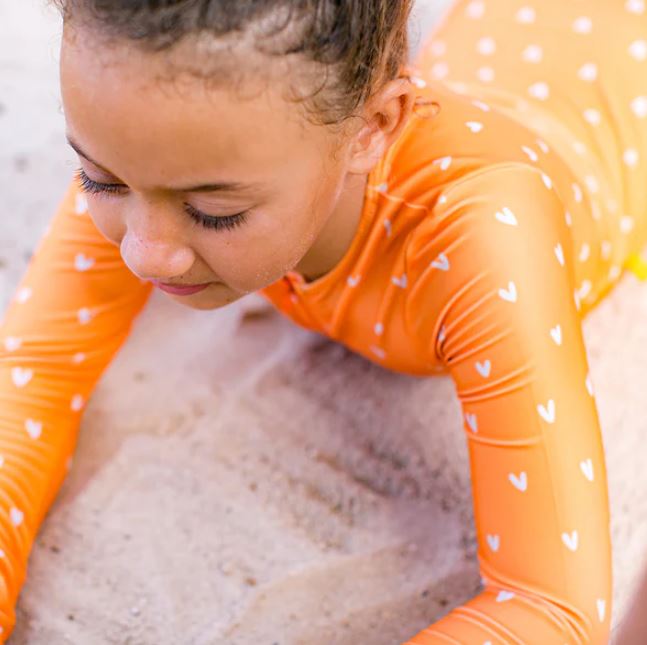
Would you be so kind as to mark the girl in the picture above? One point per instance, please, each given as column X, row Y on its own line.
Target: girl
column 459, row 215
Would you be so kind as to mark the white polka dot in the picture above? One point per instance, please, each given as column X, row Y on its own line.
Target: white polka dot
column 638, row 50
column 439, row 69
column 532, row 155
column 438, row 47
column 443, row 162
column 84, row 315
column 12, row 343
column 614, row 272
column 79, row 357
column 378, row 351
column 485, row 74
column 585, row 252
column 585, row 289
column 592, row 116
column 543, row 146
column 605, row 249
column 639, row 106
column 568, row 219
column 81, row 204
column 77, row 403
column 626, row 223
column 579, row 147
column 635, row 6
column 539, row 90
column 526, row 15
column 475, row 9
column 548, row 182
column 592, row 183
column 442, row 199
column 16, row 515
column 630, row 157
column 378, row 329
column 588, row 72
column 418, row 82
column 577, row 192
column 474, row 126
column 533, row 54
column 23, row 294
column 582, row 25
column 486, row 46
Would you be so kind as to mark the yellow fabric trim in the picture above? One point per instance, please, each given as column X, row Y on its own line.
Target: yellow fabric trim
column 637, row 265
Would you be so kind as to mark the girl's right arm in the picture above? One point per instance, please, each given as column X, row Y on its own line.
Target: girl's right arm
column 71, row 312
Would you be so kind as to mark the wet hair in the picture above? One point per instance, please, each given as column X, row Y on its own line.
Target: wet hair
column 354, row 46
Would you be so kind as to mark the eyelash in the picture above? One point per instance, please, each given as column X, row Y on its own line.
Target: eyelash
column 228, row 222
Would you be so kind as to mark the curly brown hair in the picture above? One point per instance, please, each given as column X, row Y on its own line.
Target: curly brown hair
column 355, row 45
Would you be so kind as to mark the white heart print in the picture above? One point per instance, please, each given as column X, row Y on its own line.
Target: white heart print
column 471, row 421
column 493, row 542
column 570, row 540
column 12, row 343
column 23, row 294
column 506, row 216
column 484, row 368
column 400, row 282
column 441, row 262
column 353, row 281
column 521, row 482
column 21, row 376
column 601, row 607
column 509, row 294
column 587, row 468
column 502, row 596
column 547, row 413
column 16, row 515
column 556, row 334
column 474, row 126
column 81, row 205
column 34, row 428
column 82, row 262
column 443, row 162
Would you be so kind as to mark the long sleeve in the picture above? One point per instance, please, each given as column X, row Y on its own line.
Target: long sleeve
column 71, row 312
column 494, row 299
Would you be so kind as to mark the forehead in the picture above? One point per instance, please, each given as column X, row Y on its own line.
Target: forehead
column 124, row 95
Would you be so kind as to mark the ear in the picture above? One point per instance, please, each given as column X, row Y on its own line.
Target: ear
column 385, row 113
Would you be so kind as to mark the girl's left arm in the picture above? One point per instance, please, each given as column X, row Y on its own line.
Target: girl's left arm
column 493, row 297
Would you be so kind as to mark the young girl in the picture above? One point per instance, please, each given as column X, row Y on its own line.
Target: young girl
column 460, row 215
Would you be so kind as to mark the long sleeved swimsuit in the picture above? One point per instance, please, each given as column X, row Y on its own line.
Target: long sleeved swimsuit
column 505, row 211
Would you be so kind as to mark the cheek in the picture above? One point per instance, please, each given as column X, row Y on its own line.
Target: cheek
column 106, row 218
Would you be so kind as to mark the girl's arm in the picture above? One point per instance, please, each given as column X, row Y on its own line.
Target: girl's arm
column 493, row 295
column 70, row 314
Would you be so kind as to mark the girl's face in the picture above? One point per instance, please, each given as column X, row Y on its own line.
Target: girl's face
column 181, row 166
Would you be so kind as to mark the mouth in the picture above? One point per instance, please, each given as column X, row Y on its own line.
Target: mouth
column 180, row 290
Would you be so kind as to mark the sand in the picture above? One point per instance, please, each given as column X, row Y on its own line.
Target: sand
column 266, row 486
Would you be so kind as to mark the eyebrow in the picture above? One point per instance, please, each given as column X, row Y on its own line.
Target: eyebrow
column 222, row 186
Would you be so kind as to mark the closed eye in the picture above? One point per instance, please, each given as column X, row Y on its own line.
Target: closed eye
column 229, row 222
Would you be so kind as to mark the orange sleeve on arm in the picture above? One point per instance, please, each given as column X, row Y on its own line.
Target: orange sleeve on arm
column 70, row 314
column 508, row 329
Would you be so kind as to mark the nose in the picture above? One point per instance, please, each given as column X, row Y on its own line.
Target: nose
column 153, row 247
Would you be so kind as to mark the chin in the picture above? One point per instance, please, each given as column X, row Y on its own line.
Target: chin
column 206, row 301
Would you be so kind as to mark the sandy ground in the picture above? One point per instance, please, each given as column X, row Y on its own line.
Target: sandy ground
column 282, row 491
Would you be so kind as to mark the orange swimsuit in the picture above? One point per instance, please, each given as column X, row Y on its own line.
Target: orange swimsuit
column 499, row 218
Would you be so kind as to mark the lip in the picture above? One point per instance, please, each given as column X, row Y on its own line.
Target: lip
column 180, row 291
